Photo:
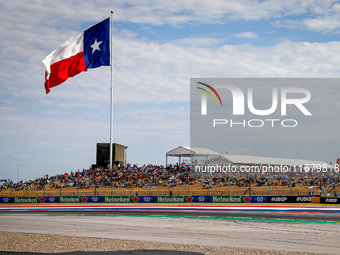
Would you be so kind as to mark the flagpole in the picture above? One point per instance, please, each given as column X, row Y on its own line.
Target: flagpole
column 111, row 101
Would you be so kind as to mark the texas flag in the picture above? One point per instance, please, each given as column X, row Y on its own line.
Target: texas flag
column 89, row 49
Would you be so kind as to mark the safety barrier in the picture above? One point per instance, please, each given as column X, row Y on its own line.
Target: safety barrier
column 329, row 200
column 166, row 199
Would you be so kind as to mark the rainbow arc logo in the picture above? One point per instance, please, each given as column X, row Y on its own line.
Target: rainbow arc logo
column 204, row 97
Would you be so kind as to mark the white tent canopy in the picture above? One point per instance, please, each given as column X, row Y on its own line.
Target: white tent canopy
column 194, row 152
column 254, row 160
column 190, row 152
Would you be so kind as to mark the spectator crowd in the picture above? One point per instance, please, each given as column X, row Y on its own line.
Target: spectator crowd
column 127, row 176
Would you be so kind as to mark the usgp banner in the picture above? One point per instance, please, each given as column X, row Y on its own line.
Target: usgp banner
column 289, row 199
column 328, row 200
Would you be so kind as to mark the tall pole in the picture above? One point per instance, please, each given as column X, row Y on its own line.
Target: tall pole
column 18, row 169
column 111, row 101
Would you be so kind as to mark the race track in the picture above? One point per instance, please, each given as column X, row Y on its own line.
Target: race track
column 289, row 228
column 315, row 213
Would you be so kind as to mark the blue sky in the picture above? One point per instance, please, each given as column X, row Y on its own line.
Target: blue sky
column 158, row 47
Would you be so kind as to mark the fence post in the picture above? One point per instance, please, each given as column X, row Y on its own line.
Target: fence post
column 189, row 188
column 12, row 191
column 334, row 188
column 291, row 189
column 27, row 191
column 230, row 188
column 320, row 187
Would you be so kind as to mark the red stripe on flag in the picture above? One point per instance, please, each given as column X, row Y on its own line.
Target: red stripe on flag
column 64, row 69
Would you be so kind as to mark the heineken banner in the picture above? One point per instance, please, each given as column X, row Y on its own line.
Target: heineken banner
column 83, row 199
column 171, row 199
column 165, row 199
column 121, row 199
column 25, row 200
column 70, row 199
column 226, row 199
column 136, row 199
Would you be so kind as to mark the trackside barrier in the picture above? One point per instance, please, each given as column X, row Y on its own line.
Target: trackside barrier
column 289, row 199
column 329, row 200
column 165, row 199
column 315, row 200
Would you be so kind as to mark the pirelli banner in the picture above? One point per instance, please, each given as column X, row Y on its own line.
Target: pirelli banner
column 161, row 199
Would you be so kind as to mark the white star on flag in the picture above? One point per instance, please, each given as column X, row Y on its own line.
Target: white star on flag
column 95, row 46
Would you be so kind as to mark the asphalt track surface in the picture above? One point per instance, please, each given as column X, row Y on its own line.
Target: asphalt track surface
column 286, row 212
column 303, row 228
column 299, row 217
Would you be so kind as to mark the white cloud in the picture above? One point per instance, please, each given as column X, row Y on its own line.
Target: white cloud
column 199, row 41
column 152, row 12
column 247, row 34
column 322, row 24
column 325, row 18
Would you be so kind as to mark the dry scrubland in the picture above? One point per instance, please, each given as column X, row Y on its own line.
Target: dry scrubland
column 20, row 242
